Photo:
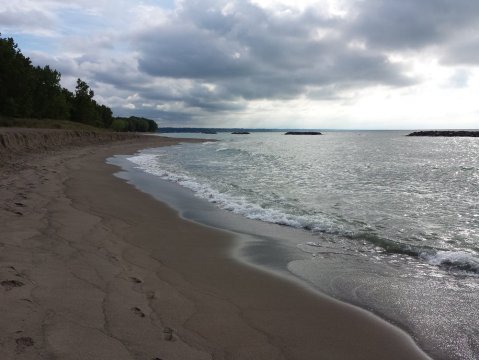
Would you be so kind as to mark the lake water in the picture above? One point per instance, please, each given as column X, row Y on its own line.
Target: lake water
column 378, row 219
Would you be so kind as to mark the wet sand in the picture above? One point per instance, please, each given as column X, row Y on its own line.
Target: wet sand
column 91, row 268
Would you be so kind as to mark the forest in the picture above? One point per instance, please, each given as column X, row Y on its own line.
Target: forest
column 28, row 91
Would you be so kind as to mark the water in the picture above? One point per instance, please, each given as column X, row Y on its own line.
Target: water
column 392, row 222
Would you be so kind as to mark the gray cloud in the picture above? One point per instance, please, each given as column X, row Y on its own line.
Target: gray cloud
column 250, row 53
column 27, row 20
column 166, row 118
column 463, row 52
column 211, row 57
column 188, row 52
column 410, row 24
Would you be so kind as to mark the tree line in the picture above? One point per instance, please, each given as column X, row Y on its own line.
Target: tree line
column 28, row 91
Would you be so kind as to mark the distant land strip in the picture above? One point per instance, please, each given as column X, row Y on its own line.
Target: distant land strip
column 447, row 133
column 303, row 133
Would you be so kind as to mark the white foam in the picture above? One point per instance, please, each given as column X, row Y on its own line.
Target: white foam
column 237, row 204
column 461, row 260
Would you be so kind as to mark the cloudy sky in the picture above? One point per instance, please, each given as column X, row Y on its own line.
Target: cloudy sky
column 353, row 64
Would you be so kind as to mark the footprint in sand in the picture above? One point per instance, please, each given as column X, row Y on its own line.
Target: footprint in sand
column 168, row 334
column 17, row 273
column 13, row 211
column 137, row 311
column 23, row 343
column 135, row 280
column 10, row 284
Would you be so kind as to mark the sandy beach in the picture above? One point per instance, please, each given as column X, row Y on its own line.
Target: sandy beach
column 91, row 268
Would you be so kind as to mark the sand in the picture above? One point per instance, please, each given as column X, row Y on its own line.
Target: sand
column 91, row 268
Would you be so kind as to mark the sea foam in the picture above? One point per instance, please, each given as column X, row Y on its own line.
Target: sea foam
column 237, row 204
column 454, row 260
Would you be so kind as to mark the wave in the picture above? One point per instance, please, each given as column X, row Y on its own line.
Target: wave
column 450, row 260
column 454, row 260
column 467, row 168
column 237, row 204
column 392, row 246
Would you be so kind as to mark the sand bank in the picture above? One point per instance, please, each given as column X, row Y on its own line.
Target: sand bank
column 91, row 268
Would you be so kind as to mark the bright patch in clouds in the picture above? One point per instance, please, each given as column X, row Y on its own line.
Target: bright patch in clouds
column 264, row 63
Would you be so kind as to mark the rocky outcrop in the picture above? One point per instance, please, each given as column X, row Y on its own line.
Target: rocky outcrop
column 303, row 133
column 240, row 133
column 446, row 133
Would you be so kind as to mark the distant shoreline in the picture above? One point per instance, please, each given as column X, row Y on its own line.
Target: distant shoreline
column 445, row 133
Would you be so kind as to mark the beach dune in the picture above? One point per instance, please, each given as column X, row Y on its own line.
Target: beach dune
column 91, row 268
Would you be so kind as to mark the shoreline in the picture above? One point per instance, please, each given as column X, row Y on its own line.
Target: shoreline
column 102, row 279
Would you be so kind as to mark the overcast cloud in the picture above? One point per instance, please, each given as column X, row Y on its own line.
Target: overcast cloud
column 315, row 64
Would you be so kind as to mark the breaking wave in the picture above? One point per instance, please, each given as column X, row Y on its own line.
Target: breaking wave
column 450, row 260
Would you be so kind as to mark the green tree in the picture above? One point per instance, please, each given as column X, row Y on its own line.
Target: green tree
column 152, row 125
column 49, row 100
column 106, row 115
column 84, row 107
column 15, row 80
column 119, row 124
column 28, row 91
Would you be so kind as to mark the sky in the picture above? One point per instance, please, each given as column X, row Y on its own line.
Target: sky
column 337, row 64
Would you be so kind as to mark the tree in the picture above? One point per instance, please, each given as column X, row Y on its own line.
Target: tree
column 15, row 80
column 152, row 125
column 49, row 100
column 106, row 116
column 119, row 124
column 28, row 91
column 84, row 107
